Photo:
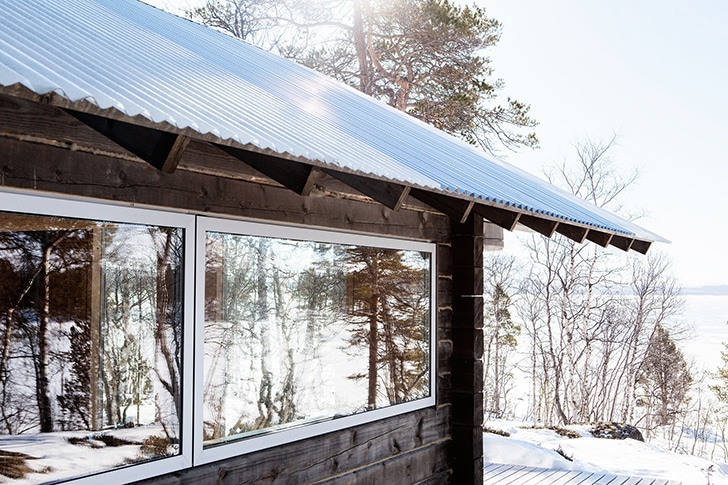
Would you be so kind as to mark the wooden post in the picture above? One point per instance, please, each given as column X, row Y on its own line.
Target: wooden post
column 467, row 362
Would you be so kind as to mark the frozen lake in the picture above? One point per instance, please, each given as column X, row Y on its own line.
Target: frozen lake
column 707, row 314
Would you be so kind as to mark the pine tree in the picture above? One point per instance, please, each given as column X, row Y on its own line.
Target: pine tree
column 664, row 377
column 721, row 389
column 423, row 57
column 388, row 313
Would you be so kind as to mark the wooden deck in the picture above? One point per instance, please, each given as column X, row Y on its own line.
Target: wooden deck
column 494, row 474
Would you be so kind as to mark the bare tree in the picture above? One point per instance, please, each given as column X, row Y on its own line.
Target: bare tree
column 655, row 299
column 590, row 318
column 501, row 332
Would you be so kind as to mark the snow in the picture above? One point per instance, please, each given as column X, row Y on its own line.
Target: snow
column 58, row 459
column 525, row 446
column 536, row 448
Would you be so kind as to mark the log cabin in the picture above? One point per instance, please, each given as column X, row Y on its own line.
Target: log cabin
column 219, row 266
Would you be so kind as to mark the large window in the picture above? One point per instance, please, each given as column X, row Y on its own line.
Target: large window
column 307, row 328
column 91, row 340
column 295, row 332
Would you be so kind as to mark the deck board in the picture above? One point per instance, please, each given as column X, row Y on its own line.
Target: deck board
column 498, row 474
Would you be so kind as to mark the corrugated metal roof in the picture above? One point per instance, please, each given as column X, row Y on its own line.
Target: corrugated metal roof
column 128, row 56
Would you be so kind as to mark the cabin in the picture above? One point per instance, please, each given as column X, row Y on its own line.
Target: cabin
column 218, row 266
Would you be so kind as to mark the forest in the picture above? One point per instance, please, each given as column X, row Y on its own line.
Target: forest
column 91, row 327
column 596, row 334
column 300, row 331
column 295, row 332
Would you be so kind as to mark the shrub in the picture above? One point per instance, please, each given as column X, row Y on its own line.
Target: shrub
column 499, row 432
column 156, row 446
column 616, row 431
column 13, row 464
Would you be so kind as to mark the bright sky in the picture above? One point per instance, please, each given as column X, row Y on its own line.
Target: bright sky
column 650, row 72
column 653, row 73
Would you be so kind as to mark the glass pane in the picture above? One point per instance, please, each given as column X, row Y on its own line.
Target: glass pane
column 298, row 332
column 90, row 322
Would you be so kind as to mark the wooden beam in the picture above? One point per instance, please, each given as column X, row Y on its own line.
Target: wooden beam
column 622, row 242
column 546, row 227
column 456, row 209
column 313, row 176
column 466, row 448
column 161, row 149
column 502, row 217
column 48, row 168
column 175, row 154
column 601, row 238
column 386, row 193
column 575, row 233
column 298, row 177
column 641, row 246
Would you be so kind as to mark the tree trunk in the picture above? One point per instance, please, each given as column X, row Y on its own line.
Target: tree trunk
column 43, row 396
column 171, row 382
column 360, row 46
column 373, row 351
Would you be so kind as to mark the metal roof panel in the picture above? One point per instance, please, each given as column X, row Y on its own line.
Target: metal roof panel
column 128, row 56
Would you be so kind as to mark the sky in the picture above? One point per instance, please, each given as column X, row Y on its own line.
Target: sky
column 653, row 74
column 650, row 73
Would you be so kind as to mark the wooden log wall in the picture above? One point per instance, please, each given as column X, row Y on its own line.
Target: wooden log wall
column 45, row 150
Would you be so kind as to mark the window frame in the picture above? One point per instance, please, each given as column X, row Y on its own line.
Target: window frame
column 192, row 451
column 244, row 446
column 98, row 211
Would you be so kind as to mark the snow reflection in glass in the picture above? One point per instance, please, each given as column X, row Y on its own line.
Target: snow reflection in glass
column 298, row 332
column 90, row 322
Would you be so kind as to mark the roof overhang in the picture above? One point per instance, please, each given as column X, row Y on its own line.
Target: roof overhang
column 416, row 161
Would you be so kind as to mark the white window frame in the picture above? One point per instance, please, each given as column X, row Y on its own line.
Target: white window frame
column 98, row 211
column 247, row 445
column 192, row 451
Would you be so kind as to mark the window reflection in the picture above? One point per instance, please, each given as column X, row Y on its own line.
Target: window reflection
column 299, row 331
column 90, row 322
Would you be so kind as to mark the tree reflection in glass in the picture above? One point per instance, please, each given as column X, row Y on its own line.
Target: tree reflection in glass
column 299, row 331
column 90, row 321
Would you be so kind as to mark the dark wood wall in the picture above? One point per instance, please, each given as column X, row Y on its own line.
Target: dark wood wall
column 44, row 149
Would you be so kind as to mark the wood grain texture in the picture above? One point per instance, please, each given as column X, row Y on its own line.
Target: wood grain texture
column 467, row 361
column 49, row 152
column 53, row 169
column 401, row 450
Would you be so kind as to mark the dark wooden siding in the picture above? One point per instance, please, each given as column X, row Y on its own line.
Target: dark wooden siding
column 411, row 448
column 44, row 149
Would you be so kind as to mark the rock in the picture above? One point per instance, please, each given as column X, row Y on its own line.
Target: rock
column 616, row 431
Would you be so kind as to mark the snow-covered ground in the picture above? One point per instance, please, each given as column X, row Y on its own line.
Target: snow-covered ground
column 537, row 448
column 56, row 458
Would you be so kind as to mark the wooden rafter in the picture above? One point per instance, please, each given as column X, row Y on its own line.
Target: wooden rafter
column 546, row 227
column 641, row 246
column 575, row 233
column 386, row 193
column 456, row 209
column 501, row 217
column 161, row 149
column 601, row 238
column 622, row 242
column 298, row 177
